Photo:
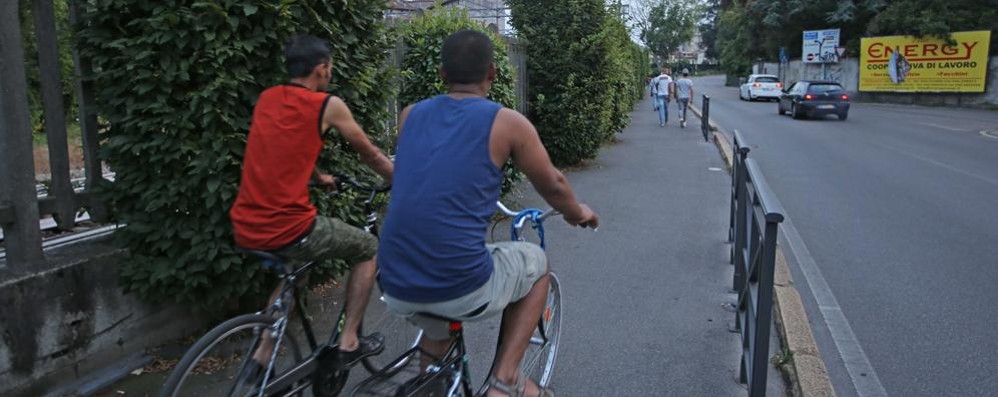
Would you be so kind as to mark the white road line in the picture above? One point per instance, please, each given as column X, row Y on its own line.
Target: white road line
column 864, row 378
column 946, row 127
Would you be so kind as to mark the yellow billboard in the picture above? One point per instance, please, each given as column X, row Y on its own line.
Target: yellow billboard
column 911, row 64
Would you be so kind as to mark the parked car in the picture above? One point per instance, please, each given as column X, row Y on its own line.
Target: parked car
column 759, row 86
column 814, row 99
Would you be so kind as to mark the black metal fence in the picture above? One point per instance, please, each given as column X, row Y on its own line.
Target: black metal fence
column 756, row 214
column 705, row 118
column 20, row 206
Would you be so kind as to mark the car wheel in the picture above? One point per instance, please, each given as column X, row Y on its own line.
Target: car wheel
column 794, row 113
column 779, row 109
column 843, row 116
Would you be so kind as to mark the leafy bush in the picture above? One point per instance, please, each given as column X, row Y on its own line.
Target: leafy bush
column 423, row 38
column 177, row 81
column 578, row 72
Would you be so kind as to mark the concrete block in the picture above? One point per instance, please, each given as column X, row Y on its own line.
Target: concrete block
column 64, row 323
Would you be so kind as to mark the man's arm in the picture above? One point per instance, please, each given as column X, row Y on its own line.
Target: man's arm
column 529, row 156
column 338, row 115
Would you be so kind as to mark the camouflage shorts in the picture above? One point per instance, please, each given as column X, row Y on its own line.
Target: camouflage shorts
column 332, row 238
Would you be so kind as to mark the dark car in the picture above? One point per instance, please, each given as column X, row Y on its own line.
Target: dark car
column 815, row 99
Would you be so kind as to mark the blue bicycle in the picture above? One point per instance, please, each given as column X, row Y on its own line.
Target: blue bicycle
column 449, row 374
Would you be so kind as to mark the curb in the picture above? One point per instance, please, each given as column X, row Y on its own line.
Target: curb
column 805, row 369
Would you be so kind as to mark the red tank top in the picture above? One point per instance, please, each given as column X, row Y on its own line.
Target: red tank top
column 273, row 208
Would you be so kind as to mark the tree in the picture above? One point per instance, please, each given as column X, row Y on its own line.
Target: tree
column 936, row 18
column 708, row 28
column 671, row 24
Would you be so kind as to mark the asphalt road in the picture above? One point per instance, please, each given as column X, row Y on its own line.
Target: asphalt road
column 897, row 209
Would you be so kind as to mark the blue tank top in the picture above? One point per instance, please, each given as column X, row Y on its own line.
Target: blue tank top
column 444, row 193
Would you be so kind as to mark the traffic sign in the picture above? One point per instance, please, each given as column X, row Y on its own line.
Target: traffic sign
column 840, row 50
column 821, row 45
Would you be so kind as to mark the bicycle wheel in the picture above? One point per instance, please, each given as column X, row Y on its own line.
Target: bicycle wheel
column 400, row 336
column 538, row 361
column 214, row 365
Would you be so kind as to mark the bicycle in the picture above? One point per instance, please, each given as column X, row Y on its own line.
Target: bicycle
column 450, row 371
column 209, row 363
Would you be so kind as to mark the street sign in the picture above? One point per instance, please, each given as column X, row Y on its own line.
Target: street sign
column 819, row 46
column 840, row 50
column 784, row 57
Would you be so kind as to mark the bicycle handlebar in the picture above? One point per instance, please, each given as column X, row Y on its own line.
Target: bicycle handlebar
column 544, row 215
column 349, row 180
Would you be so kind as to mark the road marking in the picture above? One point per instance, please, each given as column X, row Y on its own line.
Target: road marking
column 715, row 169
column 945, row 127
column 861, row 372
column 989, row 134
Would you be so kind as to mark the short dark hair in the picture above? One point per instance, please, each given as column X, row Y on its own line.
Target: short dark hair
column 302, row 53
column 466, row 57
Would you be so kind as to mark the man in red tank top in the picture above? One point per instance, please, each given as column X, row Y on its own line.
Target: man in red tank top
column 273, row 211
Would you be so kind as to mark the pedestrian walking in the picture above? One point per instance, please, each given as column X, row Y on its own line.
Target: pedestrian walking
column 684, row 92
column 661, row 89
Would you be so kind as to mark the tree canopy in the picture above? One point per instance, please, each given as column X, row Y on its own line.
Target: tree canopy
column 747, row 30
column 670, row 24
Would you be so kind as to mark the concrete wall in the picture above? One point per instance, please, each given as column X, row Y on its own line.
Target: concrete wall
column 847, row 74
column 62, row 325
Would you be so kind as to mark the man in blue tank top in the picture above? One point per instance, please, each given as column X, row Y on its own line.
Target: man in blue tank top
column 432, row 255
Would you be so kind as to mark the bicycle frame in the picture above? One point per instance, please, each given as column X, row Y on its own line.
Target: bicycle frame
column 456, row 356
column 307, row 367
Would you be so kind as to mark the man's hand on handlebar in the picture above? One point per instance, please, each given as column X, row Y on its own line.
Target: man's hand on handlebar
column 326, row 181
column 585, row 218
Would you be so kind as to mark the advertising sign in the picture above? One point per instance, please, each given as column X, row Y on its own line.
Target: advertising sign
column 910, row 64
column 819, row 46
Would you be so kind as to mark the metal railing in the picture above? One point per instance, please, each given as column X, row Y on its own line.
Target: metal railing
column 756, row 216
column 20, row 206
column 705, row 118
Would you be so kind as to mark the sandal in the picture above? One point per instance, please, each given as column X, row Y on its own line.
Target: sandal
column 517, row 388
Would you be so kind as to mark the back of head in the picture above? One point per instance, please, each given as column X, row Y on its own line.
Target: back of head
column 302, row 53
column 466, row 57
column 686, row 72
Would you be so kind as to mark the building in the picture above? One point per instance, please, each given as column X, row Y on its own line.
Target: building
column 492, row 13
column 691, row 51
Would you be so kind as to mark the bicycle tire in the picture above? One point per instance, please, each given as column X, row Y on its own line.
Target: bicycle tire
column 541, row 367
column 182, row 373
column 549, row 351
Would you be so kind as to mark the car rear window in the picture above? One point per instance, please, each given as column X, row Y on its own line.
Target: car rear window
column 823, row 88
column 764, row 79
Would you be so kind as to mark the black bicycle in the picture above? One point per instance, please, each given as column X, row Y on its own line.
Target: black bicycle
column 222, row 361
column 449, row 375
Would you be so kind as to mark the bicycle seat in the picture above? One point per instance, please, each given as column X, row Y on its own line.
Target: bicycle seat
column 269, row 259
column 436, row 317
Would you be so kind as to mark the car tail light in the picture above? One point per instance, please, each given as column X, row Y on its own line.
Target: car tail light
column 779, row 85
column 757, row 85
column 845, row 97
column 808, row 97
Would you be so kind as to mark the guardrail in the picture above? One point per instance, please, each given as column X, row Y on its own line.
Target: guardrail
column 705, row 118
column 756, row 214
column 20, row 206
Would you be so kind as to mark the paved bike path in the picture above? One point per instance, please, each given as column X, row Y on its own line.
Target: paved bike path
column 644, row 296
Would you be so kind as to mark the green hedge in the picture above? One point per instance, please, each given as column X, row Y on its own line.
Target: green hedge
column 583, row 78
column 423, row 38
column 177, row 81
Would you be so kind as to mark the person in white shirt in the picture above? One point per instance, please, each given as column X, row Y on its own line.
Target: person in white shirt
column 662, row 89
column 684, row 92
